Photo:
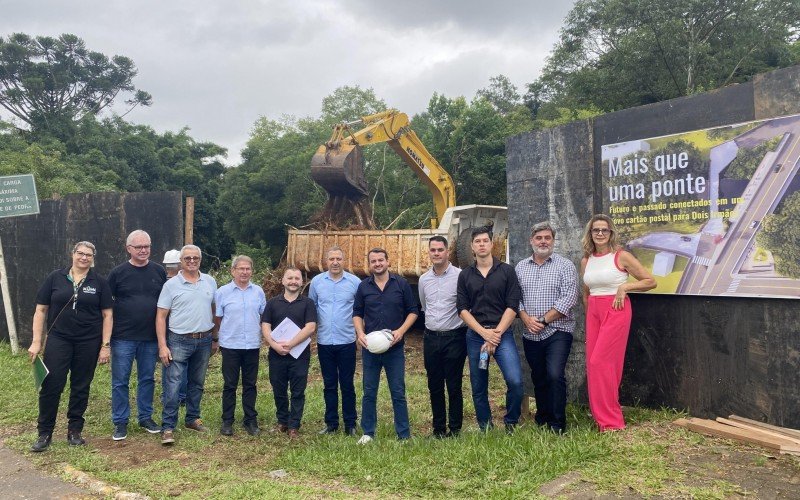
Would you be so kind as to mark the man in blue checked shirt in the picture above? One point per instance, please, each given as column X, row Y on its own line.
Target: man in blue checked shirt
column 549, row 285
column 238, row 317
column 333, row 292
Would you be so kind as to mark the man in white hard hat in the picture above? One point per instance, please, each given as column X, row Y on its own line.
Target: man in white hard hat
column 172, row 262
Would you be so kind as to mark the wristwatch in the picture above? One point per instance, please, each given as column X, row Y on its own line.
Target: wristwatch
column 106, row 344
column 541, row 320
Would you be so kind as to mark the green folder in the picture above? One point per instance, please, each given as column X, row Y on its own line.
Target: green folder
column 40, row 371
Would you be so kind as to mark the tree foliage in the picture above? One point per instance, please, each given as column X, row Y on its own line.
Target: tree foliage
column 780, row 234
column 614, row 54
column 52, row 83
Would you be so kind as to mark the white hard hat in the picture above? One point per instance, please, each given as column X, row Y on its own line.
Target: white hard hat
column 379, row 341
column 172, row 257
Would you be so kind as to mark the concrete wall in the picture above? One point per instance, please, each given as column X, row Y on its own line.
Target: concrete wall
column 35, row 245
column 712, row 355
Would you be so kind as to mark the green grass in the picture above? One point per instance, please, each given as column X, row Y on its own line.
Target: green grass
column 492, row 465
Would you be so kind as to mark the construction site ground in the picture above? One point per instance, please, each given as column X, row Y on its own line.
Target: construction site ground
column 709, row 467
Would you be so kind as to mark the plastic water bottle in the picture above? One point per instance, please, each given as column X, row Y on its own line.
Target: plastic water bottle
column 483, row 362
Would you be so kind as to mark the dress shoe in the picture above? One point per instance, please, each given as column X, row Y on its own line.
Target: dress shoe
column 42, row 443
column 226, row 429
column 293, row 434
column 167, row 438
column 196, row 425
column 282, row 427
column 74, row 438
column 328, row 430
column 252, row 428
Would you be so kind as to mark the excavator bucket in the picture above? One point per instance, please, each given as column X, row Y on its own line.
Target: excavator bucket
column 340, row 170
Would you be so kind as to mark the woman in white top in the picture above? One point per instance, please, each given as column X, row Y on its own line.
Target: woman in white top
column 605, row 269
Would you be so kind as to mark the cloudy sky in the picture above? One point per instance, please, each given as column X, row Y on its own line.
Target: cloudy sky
column 215, row 67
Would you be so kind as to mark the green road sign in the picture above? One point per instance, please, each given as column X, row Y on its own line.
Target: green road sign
column 18, row 195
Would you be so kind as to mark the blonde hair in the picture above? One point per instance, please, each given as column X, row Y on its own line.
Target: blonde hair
column 588, row 244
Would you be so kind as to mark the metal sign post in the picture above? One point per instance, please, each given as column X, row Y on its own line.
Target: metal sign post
column 17, row 197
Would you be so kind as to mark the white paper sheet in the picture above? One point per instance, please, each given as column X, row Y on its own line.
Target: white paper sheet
column 285, row 331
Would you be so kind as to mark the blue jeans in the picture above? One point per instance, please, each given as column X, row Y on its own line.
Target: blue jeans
column 190, row 356
column 123, row 352
column 181, row 391
column 394, row 362
column 548, row 360
column 507, row 359
column 338, row 365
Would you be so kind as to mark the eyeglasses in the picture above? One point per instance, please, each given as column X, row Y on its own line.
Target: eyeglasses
column 82, row 254
column 139, row 248
column 191, row 259
column 600, row 230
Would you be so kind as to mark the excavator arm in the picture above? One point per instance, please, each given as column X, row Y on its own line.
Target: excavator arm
column 337, row 165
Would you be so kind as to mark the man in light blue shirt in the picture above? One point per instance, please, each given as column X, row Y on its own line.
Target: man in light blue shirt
column 333, row 292
column 187, row 300
column 238, row 317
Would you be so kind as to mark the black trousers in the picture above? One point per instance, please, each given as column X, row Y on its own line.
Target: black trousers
column 444, row 362
column 79, row 359
column 285, row 372
column 234, row 362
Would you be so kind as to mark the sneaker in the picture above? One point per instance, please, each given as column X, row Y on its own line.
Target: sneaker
column 252, row 428
column 120, row 432
column 42, row 443
column 167, row 438
column 226, row 429
column 366, row 438
column 196, row 425
column 150, row 426
column 328, row 430
column 74, row 438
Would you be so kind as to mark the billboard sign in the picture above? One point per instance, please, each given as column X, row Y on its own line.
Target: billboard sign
column 18, row 195
column 714, row 211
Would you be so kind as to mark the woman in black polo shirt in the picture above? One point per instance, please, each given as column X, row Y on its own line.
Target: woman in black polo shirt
column 77, row 304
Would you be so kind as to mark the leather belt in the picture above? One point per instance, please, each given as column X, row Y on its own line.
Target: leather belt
column 447, row 333
column 194, row 335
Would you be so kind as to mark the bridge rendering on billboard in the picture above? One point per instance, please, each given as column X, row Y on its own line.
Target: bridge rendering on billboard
column 714, row 211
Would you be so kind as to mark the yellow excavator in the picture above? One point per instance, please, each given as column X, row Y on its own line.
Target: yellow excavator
column 338, row 166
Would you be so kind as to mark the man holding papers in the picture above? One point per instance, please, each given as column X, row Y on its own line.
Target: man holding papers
column 287, row 324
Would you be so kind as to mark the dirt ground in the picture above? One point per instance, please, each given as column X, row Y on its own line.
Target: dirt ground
column 744, row 470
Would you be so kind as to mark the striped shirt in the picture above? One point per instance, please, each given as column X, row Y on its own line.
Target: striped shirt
column 551, row 285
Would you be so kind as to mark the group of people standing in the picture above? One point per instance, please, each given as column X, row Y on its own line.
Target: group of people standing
column 145, row 312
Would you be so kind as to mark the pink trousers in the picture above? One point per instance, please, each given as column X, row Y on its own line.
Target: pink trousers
column 606, row 339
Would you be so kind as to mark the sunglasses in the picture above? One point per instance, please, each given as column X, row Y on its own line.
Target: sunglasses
column 600, row 230
column 191, row 259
